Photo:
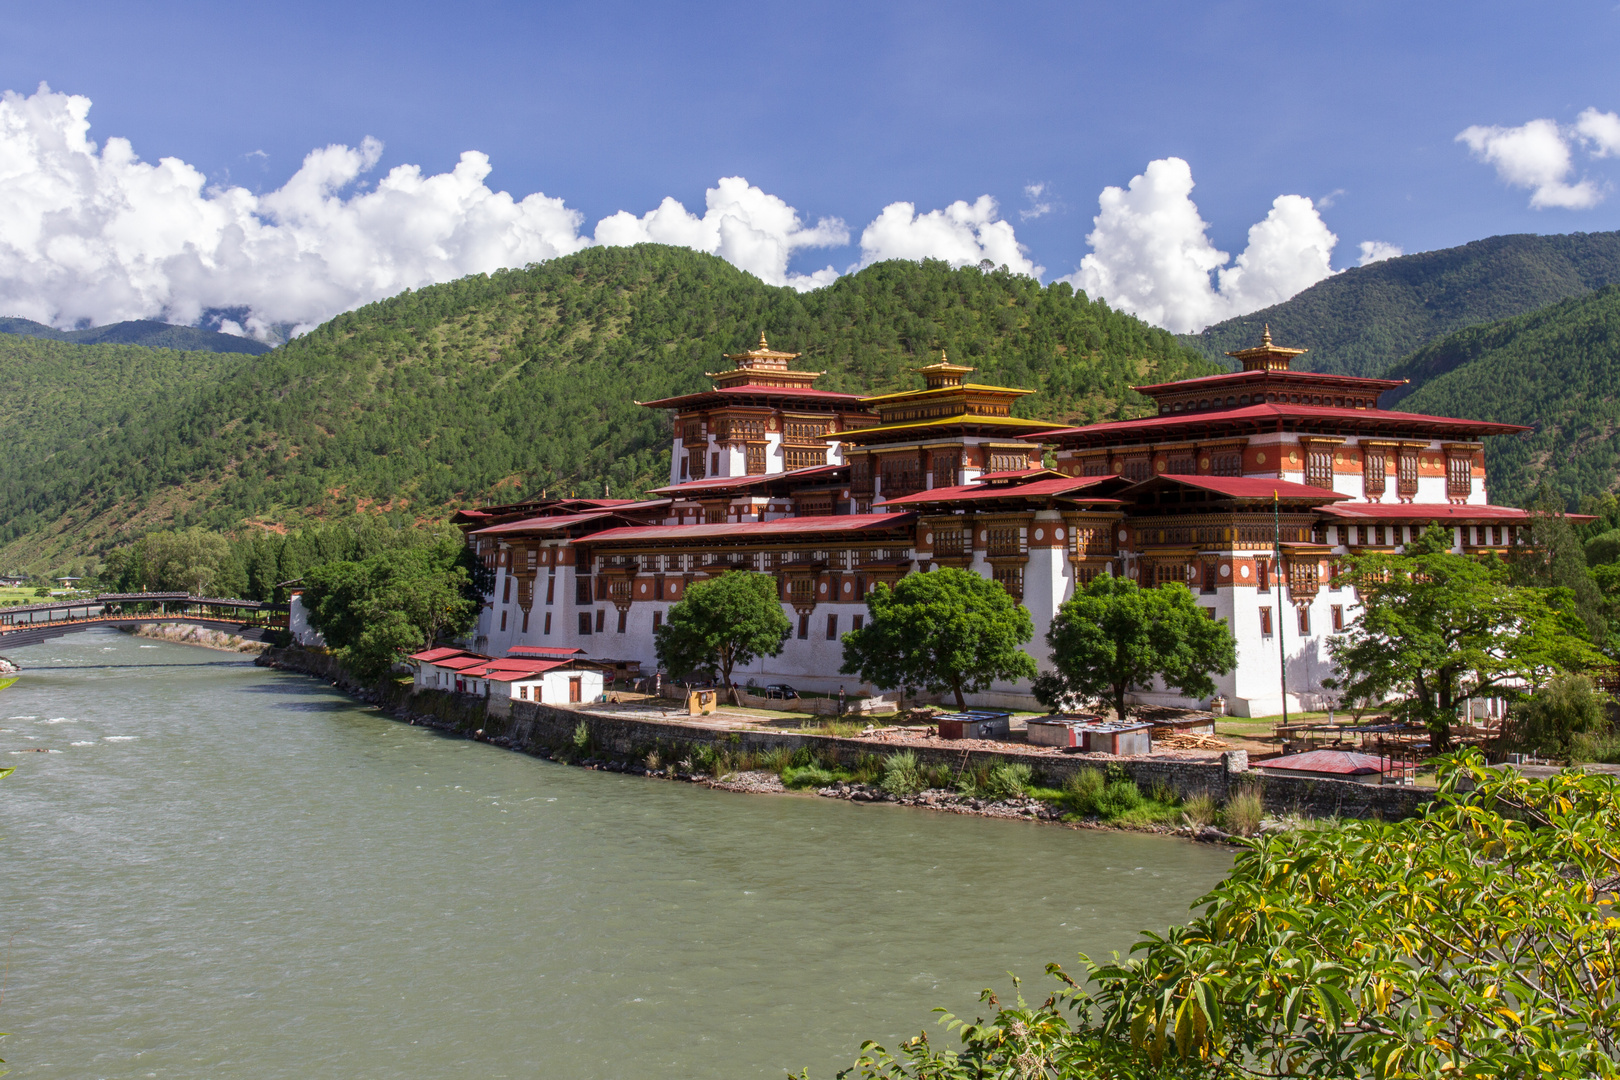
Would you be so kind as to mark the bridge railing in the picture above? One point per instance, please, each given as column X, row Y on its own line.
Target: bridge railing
column 172, row 605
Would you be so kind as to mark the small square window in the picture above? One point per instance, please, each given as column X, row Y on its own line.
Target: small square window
column 601, row 620
column 584, row 622
column 804, row 626
column 1265, row 622
column 1304, row 620
column 1338, row 618
column 832, row 628
column 857, row 621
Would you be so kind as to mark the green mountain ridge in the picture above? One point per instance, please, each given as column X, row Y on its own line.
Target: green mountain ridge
column 1365, row 319
column 497, row 386
column 153, row 335
column 1556, row 370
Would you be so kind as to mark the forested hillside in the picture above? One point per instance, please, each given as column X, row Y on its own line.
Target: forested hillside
column 1558, row 370
column 154, row 335
column 497, row 386
column 1364, row 320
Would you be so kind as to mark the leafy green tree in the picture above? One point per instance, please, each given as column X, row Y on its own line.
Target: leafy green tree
column 373, row 611
column 945, row 630
column 1437, row 628
column 723, row 623
column 1554, row 558
column 1476, row 940
column 1113, row 635
column 1546, row 721
column 172, row 560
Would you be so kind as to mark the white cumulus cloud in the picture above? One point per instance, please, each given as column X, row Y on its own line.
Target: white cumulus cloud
column 1600, row 131
column 1377, row 251
column 1537, row 156
column 1151, row 253
column 751, row 230
column 962, row 234
column 94, row 234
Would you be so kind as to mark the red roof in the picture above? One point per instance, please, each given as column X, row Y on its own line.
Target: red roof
column 542, row 650
column 750, row 390
column 520, row 664
column 435, row 654
column 721, row 483
column 502, row 675
column 1271, row 413
column 1241, row 487
column 1330, row 762
column 1426, row 512
column 543, row 524
column 837, row 523
column 461, row 663
column 1269, row 374
column 1039, row 489
column 1016, row 473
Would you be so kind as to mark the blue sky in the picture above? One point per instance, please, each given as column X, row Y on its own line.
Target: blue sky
column 843, row 109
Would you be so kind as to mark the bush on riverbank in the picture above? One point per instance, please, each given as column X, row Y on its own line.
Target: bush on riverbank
column 1478, row 939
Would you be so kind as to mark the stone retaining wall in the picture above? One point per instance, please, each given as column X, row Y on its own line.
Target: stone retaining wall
column 532, row 727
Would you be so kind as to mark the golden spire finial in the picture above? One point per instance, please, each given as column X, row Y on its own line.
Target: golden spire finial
column 943, row 358
column 762, row 345
column 1265, row 338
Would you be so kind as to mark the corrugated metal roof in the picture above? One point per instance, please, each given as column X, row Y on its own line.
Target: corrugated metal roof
column 1329, row 762
column 543, row 524
column 1240, row 487
column 436, row 654
column 1270, row 411
column 544, row 650
column 1426, row 512
column 1039, row 489
column 722, row 483
column 460, row 663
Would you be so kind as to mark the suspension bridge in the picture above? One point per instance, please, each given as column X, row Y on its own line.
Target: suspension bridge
column 30, row 624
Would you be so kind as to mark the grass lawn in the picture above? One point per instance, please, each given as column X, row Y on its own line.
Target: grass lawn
column 13, row 595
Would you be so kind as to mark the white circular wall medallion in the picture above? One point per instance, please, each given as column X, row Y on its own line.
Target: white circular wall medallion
column 643, row 588
column 1226, row 571
column 1338, row 459
column 1040, row 534
column 846, row 493
column 823, row 588
column 928, row 538
column 1158, row 466
column 848, row 587
column 1293, row 458
column 1243, row 571
column 1057, row 534
column 1123, row 536
column 1204, row 464
column 984, row 537
column 1260, row 458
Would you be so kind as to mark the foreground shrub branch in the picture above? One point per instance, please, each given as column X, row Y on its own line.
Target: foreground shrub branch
column 1477, row 940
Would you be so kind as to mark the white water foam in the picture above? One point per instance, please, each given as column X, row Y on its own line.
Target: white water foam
column 92, row 742
column 119, row 738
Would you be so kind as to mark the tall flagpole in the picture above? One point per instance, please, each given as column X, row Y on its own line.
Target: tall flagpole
column 1277, row 570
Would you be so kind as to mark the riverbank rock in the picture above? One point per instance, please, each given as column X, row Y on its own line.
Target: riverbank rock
column 182, row 634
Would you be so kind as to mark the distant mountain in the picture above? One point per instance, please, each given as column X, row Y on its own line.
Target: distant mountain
column 153, row 335
column 1363, row 320
column 526, row 380
column 1557, row 370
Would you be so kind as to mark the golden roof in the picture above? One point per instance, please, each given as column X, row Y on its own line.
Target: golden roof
column 1266, row 356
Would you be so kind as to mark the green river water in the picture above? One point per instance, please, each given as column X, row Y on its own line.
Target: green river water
column 224, row 871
